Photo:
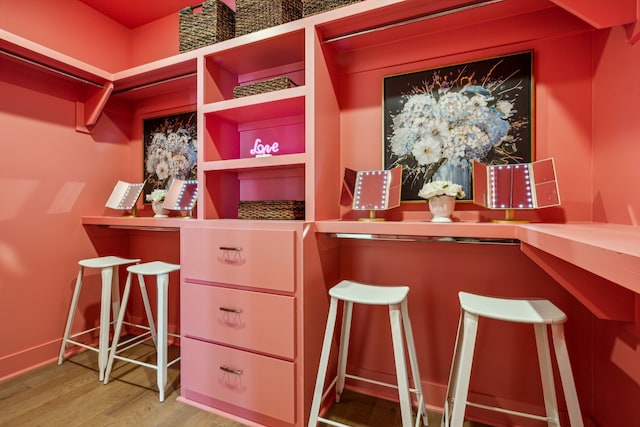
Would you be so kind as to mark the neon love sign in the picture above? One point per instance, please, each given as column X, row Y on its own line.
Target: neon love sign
column 260, row 149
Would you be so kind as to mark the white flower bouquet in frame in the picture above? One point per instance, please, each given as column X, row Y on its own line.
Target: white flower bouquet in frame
column 170, row 150
column 437, row 122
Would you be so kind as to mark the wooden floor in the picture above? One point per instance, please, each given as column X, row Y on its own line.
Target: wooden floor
column 359, row 410
column 71, row 395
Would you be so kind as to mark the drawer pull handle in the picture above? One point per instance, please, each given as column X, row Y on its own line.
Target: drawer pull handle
column 230, row 370
column 231, row 255
column 231, row 310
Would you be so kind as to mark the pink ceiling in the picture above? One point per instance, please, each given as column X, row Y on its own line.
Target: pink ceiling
column 133, row 13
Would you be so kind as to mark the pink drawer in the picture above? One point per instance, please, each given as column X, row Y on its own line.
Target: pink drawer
column 253, row 320
column 258, row 383
column 257, row 258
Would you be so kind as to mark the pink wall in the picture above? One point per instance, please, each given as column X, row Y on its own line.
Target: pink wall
column 616, row 128
column 75, row 29
column 51, row 176
column 70, row 27
column 616, row 199
column 156, row 40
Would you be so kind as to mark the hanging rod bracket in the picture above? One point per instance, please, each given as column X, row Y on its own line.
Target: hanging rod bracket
column 89, row 110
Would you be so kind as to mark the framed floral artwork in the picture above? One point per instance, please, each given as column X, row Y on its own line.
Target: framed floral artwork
column 438, row 121
column 170, row 150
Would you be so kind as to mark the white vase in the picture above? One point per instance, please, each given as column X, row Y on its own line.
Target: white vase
column 441, row 208
column 159, row 211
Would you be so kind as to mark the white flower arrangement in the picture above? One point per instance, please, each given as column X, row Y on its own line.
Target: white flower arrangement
column 171, row 149
column 157, row 195
column 441, row 188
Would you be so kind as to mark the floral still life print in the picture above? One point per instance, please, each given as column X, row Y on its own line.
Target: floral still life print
column 437, row 122
column 170, row 150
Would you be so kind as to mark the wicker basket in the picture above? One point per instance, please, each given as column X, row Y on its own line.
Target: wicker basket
column 271, row 209
column 214, row 23
column 277, row 83
column 311, row 7
column 254, row 15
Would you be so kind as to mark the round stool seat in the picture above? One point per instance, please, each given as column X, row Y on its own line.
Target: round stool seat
column 360, row 293
column 512, row 310
column 106, row 261
column 153, row 268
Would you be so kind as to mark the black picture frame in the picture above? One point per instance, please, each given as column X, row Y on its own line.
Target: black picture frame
column 438, row 121
column 170, row 146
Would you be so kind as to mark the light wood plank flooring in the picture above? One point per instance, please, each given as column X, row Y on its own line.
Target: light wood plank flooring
column 71, row 395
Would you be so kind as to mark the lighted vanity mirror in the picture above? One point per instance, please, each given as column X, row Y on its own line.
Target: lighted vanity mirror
column 545, row 184
column 515, row 186
column 182, row 196
column 125, row 196
column 348, row 187
column 377, row 190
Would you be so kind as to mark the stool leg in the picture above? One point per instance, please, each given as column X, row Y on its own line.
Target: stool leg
column 161, row 361
column 324, row 362
column 105, row 318
column 546, row 374
column 413, row 360
column 71, row 315
column 461, row 369
column 118, row 328
column 115, row 294
column 395, row 317
column 566, row 376
column 343, row 349
column 147, row 307
column 453, row 372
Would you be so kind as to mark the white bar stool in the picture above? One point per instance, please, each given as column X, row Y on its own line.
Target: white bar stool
column 110, row 296
column 538, row 312
column 396, row 298
column 161, row 270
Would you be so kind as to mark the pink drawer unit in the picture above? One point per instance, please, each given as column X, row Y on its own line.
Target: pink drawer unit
column 262, row 384
column 253, row 320
column 258, row 258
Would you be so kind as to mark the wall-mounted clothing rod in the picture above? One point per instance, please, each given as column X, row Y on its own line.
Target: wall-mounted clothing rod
column 139, row 228
column 86, row 81
column 427, row 239
column 50, row 68
column 155, row 83
column 419, row 18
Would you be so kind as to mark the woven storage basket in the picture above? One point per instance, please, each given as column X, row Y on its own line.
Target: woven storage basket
column 254, row 15
column 214, row 23
column 263, row 86
column 271, row 209
column 311, row 7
